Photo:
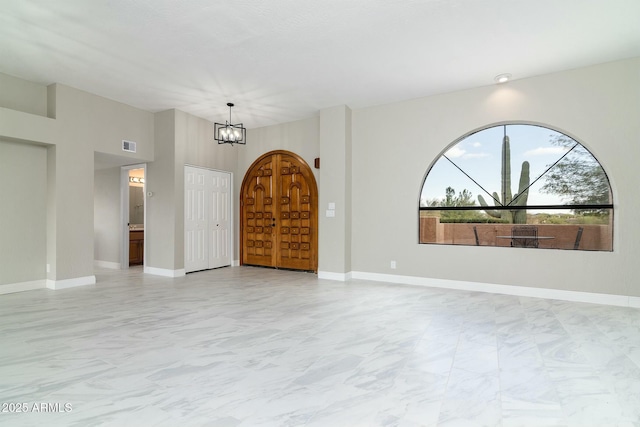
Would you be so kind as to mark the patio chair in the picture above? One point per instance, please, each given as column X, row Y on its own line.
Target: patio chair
column 524, row 236
column 576, row 245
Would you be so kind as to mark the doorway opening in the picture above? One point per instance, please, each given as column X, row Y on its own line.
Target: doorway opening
column 133, row 215
column 136, row 217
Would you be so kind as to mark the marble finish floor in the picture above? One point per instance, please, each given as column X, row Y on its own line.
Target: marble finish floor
column 244, row 346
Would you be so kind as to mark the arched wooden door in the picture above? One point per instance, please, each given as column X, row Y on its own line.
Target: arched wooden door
column 279, row 213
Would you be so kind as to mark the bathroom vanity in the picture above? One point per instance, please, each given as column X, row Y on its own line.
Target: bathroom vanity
column 136, row 246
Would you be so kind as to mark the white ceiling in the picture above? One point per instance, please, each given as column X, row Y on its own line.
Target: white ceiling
column 282, row 60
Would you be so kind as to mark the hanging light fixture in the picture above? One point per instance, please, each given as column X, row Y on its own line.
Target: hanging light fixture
column 229, row 133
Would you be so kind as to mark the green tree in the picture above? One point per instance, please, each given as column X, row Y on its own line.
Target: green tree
column 578, row 178
column 451, row 199
column 464, row 198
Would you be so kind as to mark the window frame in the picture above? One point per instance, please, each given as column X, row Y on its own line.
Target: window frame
column 527, row 207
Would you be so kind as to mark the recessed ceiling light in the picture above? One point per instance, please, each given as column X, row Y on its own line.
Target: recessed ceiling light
column 502, row 78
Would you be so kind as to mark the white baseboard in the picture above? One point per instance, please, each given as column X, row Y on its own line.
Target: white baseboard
column 235, row 263
column 106, row 264
column 342, row 277
column 164, row 272
column 523, row 291
column 23, row 286
column 71, row 283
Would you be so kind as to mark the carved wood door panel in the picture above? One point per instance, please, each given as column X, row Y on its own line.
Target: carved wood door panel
column 279, row 216
column 258, row 214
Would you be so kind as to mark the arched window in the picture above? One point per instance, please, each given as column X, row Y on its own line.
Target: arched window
column 517, row 185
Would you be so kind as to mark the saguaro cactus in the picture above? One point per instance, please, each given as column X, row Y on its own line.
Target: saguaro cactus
column 506, row 199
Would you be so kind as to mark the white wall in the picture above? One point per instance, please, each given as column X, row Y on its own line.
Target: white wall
column 598, row 106
column 22, row 95
column 23, row 214
column 77, row 124
column 106, row 216
column 335, row 174
column 87, row 123
column 160, row 233
column 180, row 139
column 301, row 137
column 198, row 148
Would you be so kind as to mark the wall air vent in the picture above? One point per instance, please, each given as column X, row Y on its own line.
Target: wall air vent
column 129, row 146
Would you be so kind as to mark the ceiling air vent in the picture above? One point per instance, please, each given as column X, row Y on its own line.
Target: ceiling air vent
column 129, row 146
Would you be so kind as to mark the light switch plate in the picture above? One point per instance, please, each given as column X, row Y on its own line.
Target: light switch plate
column 332, row 206
column 330, row 213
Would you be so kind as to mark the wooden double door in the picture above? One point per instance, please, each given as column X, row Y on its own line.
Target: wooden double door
column 279, row 213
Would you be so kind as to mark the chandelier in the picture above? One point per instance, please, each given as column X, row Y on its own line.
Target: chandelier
column 229, row 133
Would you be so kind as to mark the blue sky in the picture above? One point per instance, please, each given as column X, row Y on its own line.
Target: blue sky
column 479, row 155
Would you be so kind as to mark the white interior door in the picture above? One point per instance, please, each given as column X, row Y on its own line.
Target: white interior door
column 207, row 219
column 196, row 248
column 219, row 229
